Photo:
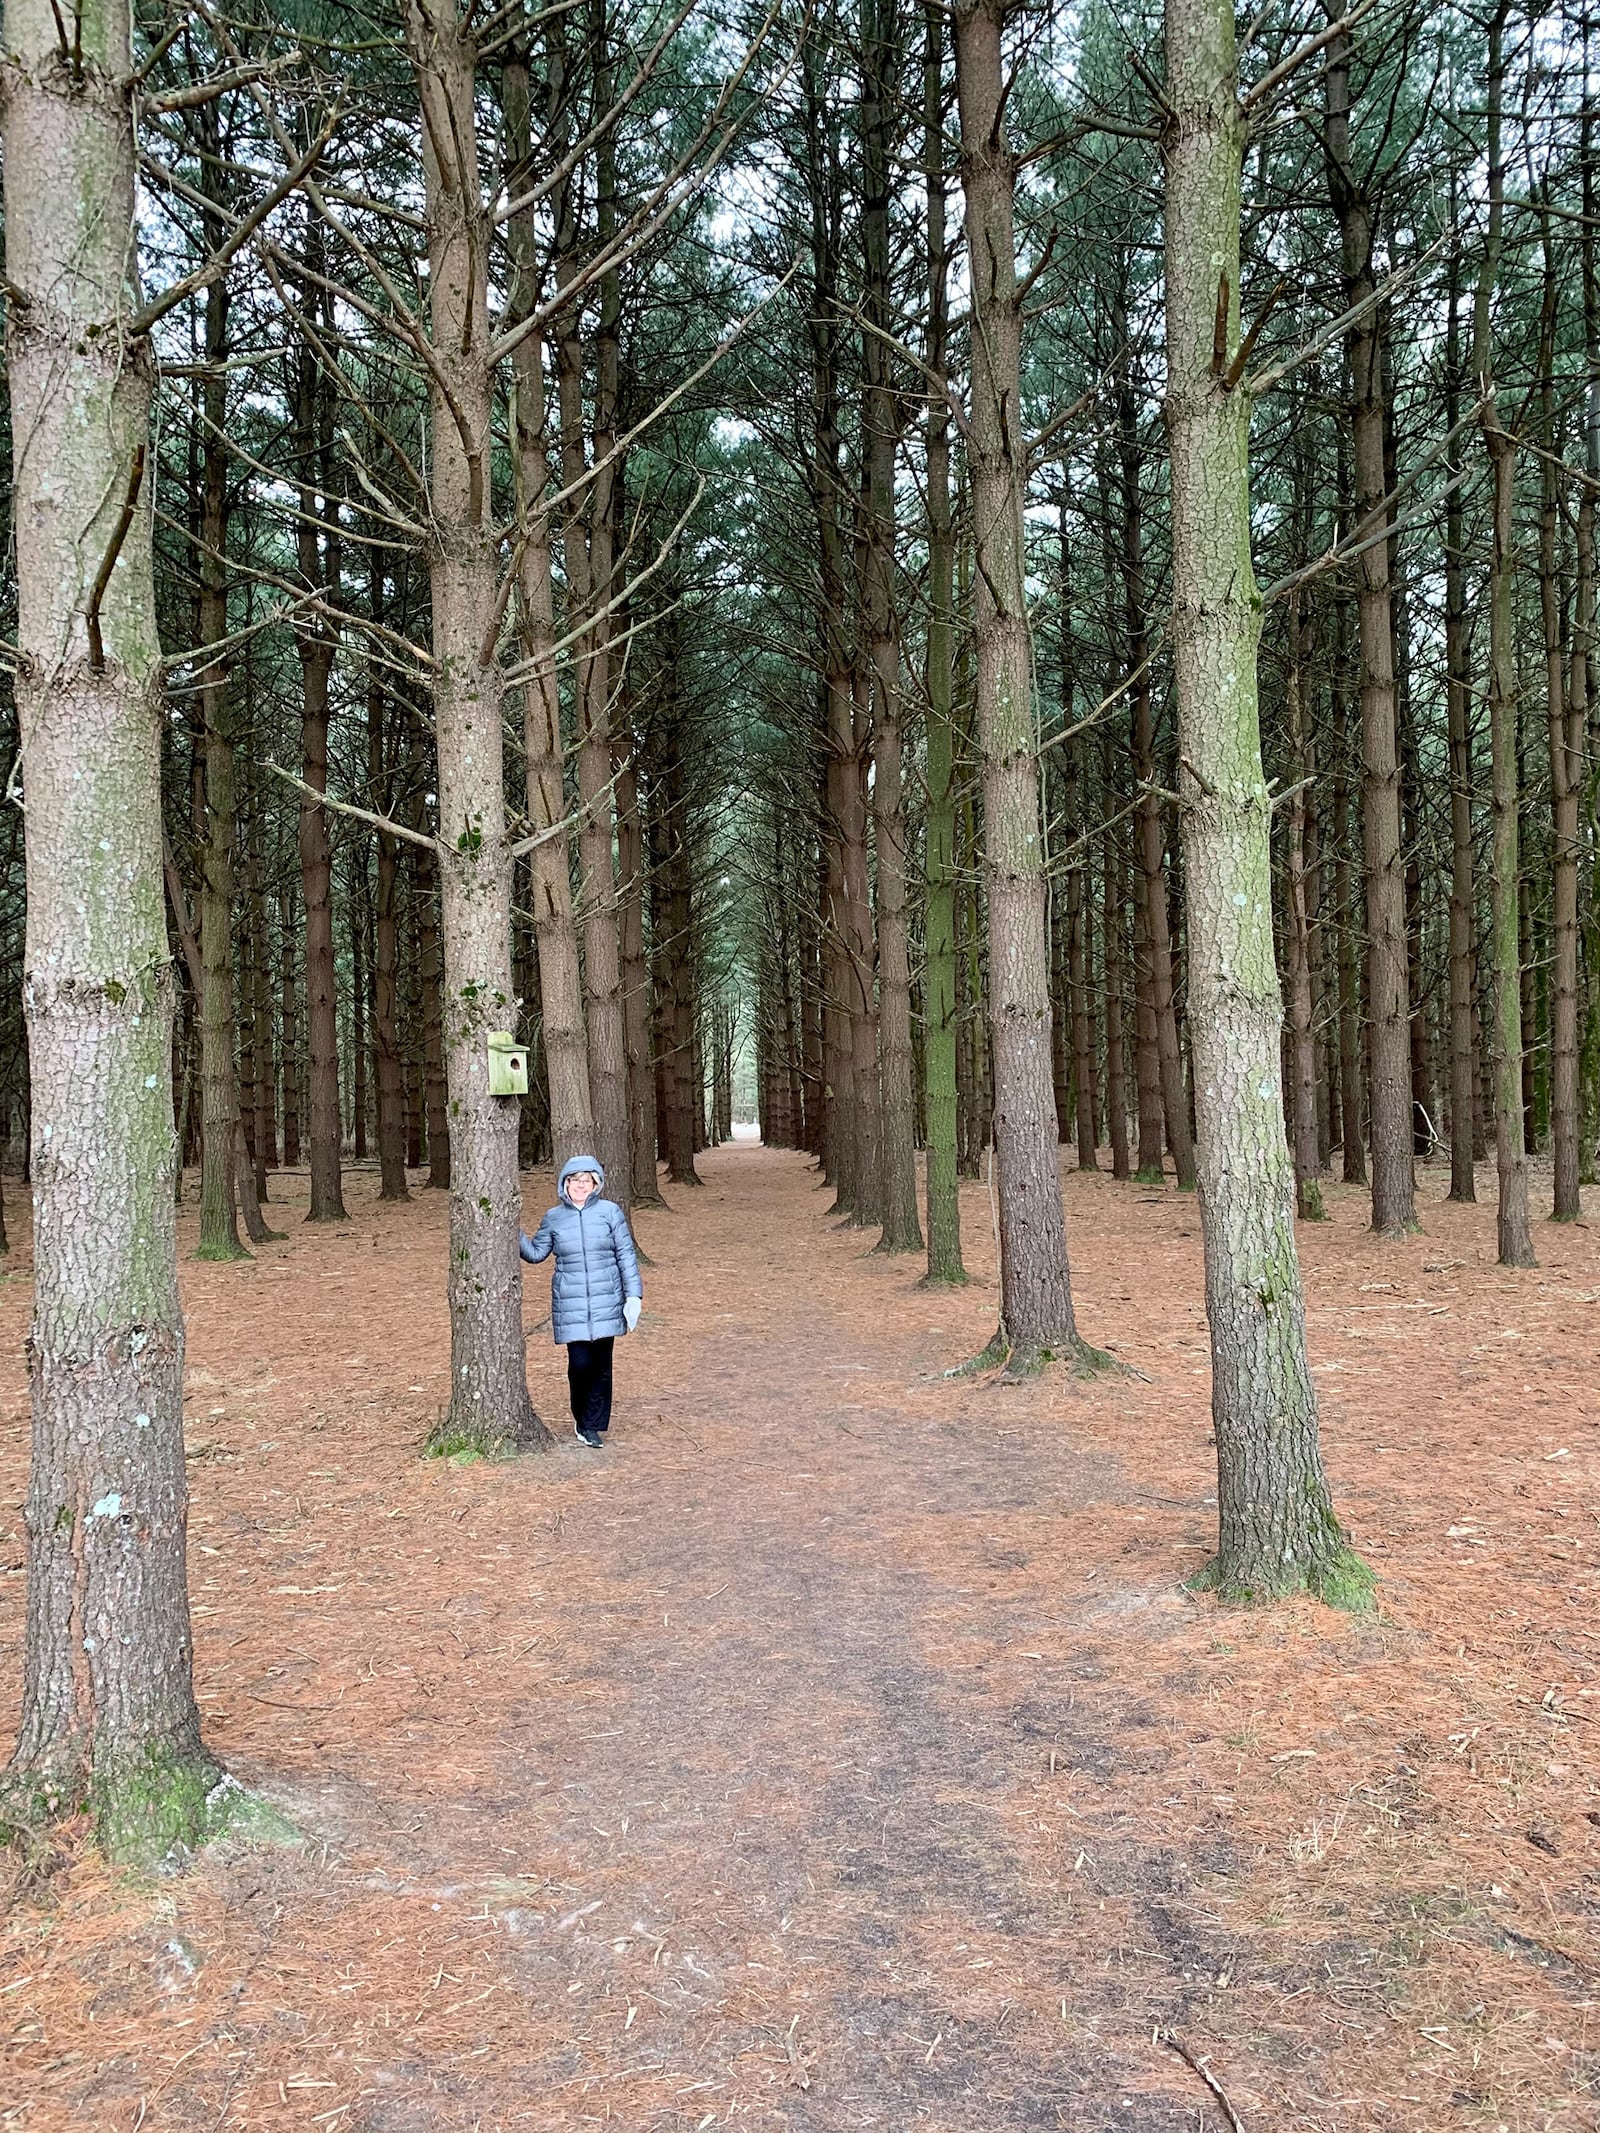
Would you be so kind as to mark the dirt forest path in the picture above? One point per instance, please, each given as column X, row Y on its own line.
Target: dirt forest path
column 837, row 1749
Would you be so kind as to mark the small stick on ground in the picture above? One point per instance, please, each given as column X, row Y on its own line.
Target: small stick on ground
column 1175, row 2043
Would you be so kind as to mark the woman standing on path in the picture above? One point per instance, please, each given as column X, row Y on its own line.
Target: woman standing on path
column 595, row 1295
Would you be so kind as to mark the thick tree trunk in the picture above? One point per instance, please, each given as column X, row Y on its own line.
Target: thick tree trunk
column 108, row 1713
column 1388, row 1005
column 489, row 1403
column 1515, row 1238
column 1036, row 1283
column 1277, row 1529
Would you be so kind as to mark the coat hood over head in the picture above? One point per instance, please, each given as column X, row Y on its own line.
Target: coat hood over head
column 579, row 1163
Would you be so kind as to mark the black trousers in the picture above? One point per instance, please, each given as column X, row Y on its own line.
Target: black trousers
column 589, row 1382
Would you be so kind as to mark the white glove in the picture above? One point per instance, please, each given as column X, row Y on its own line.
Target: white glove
column 631, row 1308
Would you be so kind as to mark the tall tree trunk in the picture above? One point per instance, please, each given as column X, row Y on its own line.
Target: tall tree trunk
column 844, row 817
column 489, row 1403
column 588, row 531
column 385, row 936
column 219, row 1083
column 1112, row 962
column 1458, row 706
column 1351, row 1076
column 1080, row 1027
column 360, row 1004
column 289, row 1027
column 566, row 1043
column 1036, row 1316
column 811, row 1018
column 1389, row 1025
column 939, row 902
column 1163, row 1100
column 635, row 974
column 1515, row 1239
column 1277, row 1529
column 1565, row 731
column 265, row 1125
column 319, row 568
column 1147, row 882
column 880, row 39
column 108, row 1712
column 1581, row 680
column 430, row 978
column 1302, row 1033
column 1085, row 1091
column 681, row 1136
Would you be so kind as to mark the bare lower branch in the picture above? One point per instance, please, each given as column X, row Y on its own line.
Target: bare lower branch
column 579, row 814
column 202, row 277
column 1257, row 387
column 203, row 92
column 386, row 823
column 1275, row 78
column 119, row 533
column 530, row 667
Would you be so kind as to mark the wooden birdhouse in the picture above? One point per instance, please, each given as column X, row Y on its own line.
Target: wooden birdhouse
column 508, row 1065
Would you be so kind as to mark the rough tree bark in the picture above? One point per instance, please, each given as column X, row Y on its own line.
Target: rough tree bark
column 1351, row 1079
column 1302, row 1034
column 1112, row 961
column 1565, row 733
column 1581, row 673
column 489, row 1403
column 219, row 1074
column 1388, row 1003
column 435, row 1107
column 635, row 967
column 1511, row 1160
column 289, row 1026
column 588, row 554
column 939, row 914
column 902, row 1232
column 392, row 1183
column 1458, row 704
column 319, row 561
column 1036, row 1316
column 1277, row 1528
column 566, row 1044
column 108, row 1713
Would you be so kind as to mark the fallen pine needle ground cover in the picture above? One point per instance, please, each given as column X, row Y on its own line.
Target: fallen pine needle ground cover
column 839, row 1748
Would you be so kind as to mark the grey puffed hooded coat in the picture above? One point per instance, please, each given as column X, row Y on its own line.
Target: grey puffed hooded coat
column 596, row 1266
